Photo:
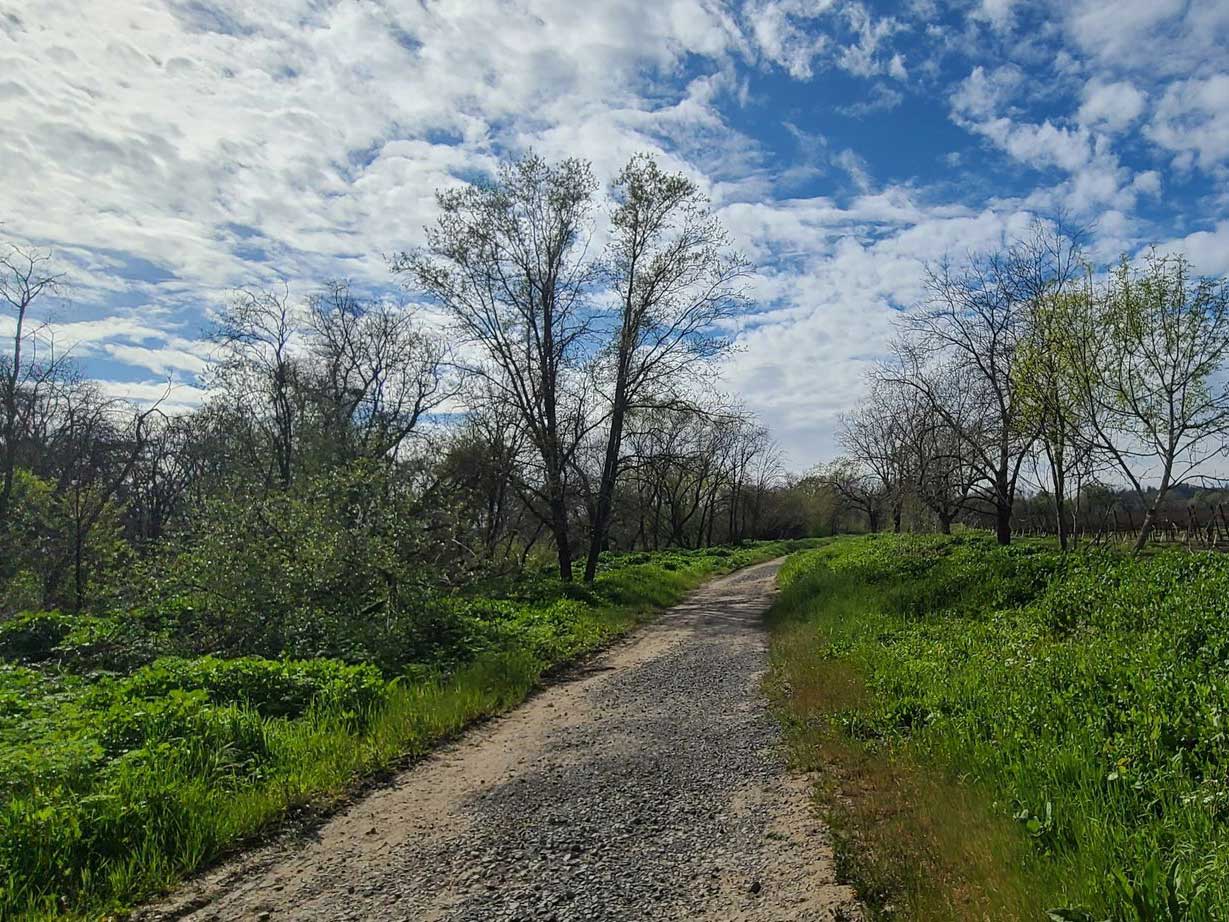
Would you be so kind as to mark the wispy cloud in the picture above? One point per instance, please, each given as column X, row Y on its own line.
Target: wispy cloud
column 170, row 151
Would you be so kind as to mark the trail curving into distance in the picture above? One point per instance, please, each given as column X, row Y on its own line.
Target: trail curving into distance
column 646, row 784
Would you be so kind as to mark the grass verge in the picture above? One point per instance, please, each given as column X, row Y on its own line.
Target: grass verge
column 1013, row 733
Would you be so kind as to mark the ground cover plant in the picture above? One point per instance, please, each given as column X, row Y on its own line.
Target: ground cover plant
column 1011, row 732
column 122, row 769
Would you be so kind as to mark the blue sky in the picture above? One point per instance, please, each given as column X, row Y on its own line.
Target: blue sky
column 168, row 151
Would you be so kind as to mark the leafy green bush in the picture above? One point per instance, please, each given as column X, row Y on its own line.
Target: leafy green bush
column 274, row 688
column 33, row 636
column 83, row 642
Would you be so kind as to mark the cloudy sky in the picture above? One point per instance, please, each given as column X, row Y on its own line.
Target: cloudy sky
column 168, row 151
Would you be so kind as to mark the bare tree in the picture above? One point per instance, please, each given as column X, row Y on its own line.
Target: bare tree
column 976, row 320
column 482, row 461
column 162, row 474
column 24, row 279
column 915, row 445
column 857, row 488
column 378, row 372
column 675, row 279
column 99, row 442
column 876, row 435
column 943, row 478
column 507, row 262
column 261, row 372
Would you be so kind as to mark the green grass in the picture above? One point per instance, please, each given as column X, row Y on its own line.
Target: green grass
column 117, row 785
column 1006, row 733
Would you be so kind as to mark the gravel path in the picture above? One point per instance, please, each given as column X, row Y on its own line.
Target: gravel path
column 646, row 785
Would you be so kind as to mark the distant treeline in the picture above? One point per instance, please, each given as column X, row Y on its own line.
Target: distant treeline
column 1030, row 376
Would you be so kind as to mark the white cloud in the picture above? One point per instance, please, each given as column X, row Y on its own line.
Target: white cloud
column 861, row 57
column 171, row 151
column 831, row 309
column 172, row 127
column 1192, row 120
column 803, row 35
column 1111, row 106
column 171, row 397
column 855, row 167
column 998, row 13
column 984, row 92
column 779, row 30
column 1147, row 183
column 161, row 361
column 880, row 98
column 1207, row 250
column 1095, row 175
column 1041, row 146
column 1149, row 36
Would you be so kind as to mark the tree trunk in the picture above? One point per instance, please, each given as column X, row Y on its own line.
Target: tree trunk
column 945, row 524
column 559, row 527
column 1002, row 521
column 1060, row 514
column 10, row 422
column 1057, row 457
column 1002, row 505
column 606, row 488
column 1150, row 515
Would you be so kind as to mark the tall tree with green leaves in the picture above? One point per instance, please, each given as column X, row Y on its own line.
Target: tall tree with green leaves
column 1153, row 349
column 1050, row 371
column 675, row 277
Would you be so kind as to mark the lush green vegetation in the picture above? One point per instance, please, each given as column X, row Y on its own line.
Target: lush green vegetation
column 1009, row 731
column 123, row 768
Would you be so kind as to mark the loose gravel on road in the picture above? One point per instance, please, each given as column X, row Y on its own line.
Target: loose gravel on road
column 647, row 784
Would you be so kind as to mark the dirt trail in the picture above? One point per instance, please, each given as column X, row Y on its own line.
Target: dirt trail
column 647, row 784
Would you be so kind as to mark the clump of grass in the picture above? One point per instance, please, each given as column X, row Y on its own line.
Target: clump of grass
column 1006, row 733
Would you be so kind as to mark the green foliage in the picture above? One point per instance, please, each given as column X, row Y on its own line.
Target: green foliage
column 1087, row 694
column 37, row 568
column 114, row 785
column 34, row 636
column 274, row 688
column 83, row 642
column 328, row 568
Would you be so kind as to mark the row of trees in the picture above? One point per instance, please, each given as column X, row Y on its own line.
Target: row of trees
column 350, row 452
column 1028, row 367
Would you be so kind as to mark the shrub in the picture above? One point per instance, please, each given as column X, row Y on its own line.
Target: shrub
column 33, row 636
column 274, row 688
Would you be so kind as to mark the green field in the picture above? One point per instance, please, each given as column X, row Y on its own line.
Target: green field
column 124, row 768
column 1011, row 733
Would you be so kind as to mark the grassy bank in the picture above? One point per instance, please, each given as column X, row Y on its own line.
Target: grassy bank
column 1005, row 733
column 119, row 781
